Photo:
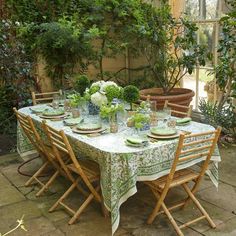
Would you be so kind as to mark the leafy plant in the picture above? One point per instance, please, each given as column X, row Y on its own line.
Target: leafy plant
column 226, row 66
column 107, row 111
column 76, row 99
column 81, row 83
column 113, row 92
column 131, row 94
column 139, row 120
column 15, row 77
column 216, row 116
column 170, row 46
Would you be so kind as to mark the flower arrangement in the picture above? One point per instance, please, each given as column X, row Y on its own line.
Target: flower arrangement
column 101, row 92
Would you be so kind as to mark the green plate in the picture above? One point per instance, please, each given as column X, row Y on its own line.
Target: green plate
column 39, row 109
column 51, row 112
column 73, row 121
column 163, row 131
column 84, row 126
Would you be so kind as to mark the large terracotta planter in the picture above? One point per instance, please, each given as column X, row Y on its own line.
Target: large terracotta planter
column 181, row 96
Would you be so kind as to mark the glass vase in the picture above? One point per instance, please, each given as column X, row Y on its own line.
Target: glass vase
column 113, row 123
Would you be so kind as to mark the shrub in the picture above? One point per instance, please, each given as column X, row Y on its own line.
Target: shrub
column 81, row 83
column 131, row 94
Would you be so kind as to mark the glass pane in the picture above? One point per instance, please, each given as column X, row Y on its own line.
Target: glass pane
column 206, row 84
column 211, row 9
column 189, row 81
column 192, row 9
column 206, row 37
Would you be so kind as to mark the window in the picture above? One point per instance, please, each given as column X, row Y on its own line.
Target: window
column 206, row 14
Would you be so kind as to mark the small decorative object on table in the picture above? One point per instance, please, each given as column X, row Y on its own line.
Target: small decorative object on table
column 141, row 121
column 110, row 111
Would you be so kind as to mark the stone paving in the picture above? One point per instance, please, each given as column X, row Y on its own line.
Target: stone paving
column 17, row 200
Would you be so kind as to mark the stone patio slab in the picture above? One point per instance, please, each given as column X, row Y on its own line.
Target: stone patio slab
column 227, row 166
column 36, row 227
column 217, row 214
column 224, row 197
column 10, row 213
column 227, row 228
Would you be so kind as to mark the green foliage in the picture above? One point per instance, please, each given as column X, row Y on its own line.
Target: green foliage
column 81, row 83
column 170, row 46
column 62, row 44
column 131, row 94
column 94, row 89
column 112, row 92
column 107, row 111
column 224, row 117
column 15, row 78
column 139, row 120
column 226, row 66
column 76, row 99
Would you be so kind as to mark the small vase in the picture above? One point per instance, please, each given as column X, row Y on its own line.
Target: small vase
column 113, row 123
column 93, row 109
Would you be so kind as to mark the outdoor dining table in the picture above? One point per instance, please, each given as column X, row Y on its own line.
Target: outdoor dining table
column 122, row 166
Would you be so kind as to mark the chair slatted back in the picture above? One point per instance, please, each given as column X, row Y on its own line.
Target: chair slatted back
column 60, row 143
column 179, row 110
column 193, row 146
column 44, row 97
column 30, row 131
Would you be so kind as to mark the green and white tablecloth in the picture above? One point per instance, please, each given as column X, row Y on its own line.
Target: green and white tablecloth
column 122, row 166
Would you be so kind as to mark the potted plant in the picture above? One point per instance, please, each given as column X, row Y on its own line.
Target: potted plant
column 110, row 111
column 171, row 49
column 81, row 83
column 131, row 95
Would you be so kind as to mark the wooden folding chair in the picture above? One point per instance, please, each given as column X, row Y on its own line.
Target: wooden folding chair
column 189, row 148
column 86, row 172
column 44, row 151
column 179, row 110
column 44, row 97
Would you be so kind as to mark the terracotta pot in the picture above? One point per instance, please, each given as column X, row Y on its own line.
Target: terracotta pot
column 181, row 96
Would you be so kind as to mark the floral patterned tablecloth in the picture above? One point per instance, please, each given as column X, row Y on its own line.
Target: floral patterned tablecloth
column 122, row 166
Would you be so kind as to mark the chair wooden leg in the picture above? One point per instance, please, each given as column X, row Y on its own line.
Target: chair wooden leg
column 37, row 173
column 46, row 185
column 82, row 207
column 172, row 220
column 68, row 191
column 155, row 210
column 199, row 206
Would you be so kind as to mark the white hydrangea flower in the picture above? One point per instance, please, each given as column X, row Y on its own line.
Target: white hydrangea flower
column 98, row 99
column 108, row 83
column 98, row 83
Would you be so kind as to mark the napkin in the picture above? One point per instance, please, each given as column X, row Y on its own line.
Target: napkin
column 139, row 142
column 73, row 121
column 183, row 121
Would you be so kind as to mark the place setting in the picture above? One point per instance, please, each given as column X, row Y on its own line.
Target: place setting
column 89, row 129
column 163, row 133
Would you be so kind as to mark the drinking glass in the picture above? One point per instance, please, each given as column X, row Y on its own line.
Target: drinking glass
column 55, row 101
column 67, row 105
column 83, row 107
column 167, row 110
